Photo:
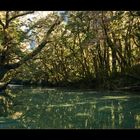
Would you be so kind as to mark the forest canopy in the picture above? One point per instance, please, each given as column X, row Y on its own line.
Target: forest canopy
column 69, row 47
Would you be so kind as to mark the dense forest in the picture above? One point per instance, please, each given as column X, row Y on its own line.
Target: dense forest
column 80, row 49
column 96, row 49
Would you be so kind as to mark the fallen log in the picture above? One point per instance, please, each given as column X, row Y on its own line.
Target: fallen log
column 130, row 88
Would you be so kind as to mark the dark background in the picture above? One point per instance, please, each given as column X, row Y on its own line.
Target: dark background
column 70, row 4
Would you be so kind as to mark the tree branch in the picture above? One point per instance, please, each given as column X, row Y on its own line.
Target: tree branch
column 1, row 23
column 22, row 14
column 36, row 51
column 16, row 16
column 6, row 20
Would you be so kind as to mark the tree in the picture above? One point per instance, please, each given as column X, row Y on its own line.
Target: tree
column 89, row 45
column 11, row 54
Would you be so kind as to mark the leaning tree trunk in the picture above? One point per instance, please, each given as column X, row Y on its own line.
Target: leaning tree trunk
column 6, row 75
column 3, row 84
column 5, row 68
column 5, row 98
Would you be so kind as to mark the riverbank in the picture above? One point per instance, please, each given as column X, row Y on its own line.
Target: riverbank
column 122, row 83
column 127, row 80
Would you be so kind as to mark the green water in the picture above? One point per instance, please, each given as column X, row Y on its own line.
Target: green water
column 59, row 108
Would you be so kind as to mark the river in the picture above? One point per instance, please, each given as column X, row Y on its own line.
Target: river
column 49, row 108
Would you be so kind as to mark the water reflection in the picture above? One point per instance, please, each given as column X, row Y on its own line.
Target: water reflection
column 6, row 101
column 43, row 108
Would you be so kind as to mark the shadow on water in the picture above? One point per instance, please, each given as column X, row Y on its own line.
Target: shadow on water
column 56, row 108
column 6, row 104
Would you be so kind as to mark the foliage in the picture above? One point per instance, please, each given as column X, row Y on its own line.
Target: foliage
column 15, row 49
column 81, row 49
column 89, row 47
